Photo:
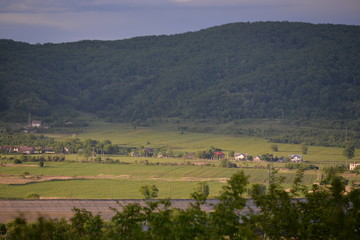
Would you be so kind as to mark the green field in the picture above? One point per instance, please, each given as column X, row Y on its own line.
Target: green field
column 169, row 136
column 175, row 178
column 104, row 181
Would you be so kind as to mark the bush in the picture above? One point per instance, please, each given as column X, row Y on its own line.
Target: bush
column 33, row 196
column 17, row 161
column 227, row 164
column 275, row 147
column 301, row 166
column 304, row 149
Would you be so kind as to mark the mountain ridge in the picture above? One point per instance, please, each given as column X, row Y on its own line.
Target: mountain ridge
column 232, row 71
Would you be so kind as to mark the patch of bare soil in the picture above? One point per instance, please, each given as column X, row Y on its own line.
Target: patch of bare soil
column 195, row 179
column 284, row 170
column 104, row 176
column 18, row 165
column 17, row 179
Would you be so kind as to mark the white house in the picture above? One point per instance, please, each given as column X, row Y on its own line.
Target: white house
column 296, row 158
column 36, row 123
column 353, row 166
column 241, row 156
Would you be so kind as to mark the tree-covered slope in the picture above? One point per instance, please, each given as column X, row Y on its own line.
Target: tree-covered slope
column 240, row 70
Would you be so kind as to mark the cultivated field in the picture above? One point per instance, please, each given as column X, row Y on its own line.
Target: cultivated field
column 175, row 178
column 168, row 136
column 122, row 181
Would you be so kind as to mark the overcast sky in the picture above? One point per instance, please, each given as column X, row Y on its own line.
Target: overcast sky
column 41, row 21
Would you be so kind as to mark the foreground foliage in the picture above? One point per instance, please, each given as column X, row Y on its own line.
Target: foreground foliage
column 326, row 212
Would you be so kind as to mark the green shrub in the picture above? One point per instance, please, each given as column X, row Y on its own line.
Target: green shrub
column 33, row 196
column 17, row 161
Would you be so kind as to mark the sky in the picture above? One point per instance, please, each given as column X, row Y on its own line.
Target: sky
column 57, row 21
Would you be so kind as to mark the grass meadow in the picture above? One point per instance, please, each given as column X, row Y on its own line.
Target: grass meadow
column 122, row 181
column 169, row 136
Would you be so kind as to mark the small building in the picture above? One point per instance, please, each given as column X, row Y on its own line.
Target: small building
column 241, row 156
column 135, row 154
column 49, row 150
column 353, row 166
column 6, row 149
column 296, row 158
column 219, row 155
column 38, row 150
column 257, row 159
column 36, row 123
column 24, row 150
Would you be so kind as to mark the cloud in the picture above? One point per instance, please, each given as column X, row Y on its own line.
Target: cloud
column 53, row 6
column 33, row 19
column 69, row 20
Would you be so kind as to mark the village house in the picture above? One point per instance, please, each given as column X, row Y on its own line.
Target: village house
column 353, row 166
column 161, row 155
column 257, row 159
column 24, row 150
column 6, row 149
column 219, row 155
column 36, row 123
column 38, row 150
column 135, row 154
column 296, row 158
column 241, row 156
column 49, row 150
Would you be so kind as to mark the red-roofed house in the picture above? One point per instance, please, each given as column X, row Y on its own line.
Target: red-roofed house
column 219, row 155
column 24, row 150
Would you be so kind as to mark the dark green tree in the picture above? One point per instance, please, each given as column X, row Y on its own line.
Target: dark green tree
column 224, row 220
column 85, row 225
column 149, row 191
column 201, row 192
column 349, row 151
column 304, row 149
column 275, row 147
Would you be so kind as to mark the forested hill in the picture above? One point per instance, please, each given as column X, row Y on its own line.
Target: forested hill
column 239, row 70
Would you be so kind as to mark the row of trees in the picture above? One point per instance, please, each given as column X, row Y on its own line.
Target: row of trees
column 325, row 212
column 91, row 147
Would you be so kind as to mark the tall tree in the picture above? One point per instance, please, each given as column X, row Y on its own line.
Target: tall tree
column 349, row 151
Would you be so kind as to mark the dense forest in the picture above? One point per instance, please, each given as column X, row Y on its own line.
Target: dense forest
column 234, row 71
